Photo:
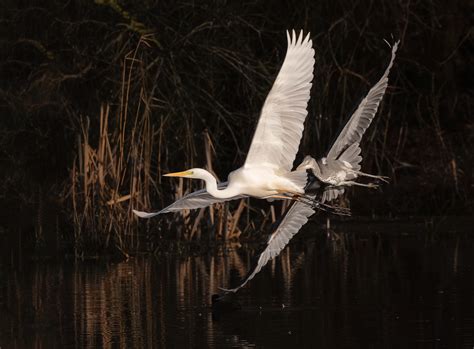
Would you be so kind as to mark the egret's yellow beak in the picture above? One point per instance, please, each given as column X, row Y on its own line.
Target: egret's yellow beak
column 179, row 174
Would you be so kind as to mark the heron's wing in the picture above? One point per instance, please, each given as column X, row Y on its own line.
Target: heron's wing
column 362, row 117
column 350, row 158
column 280, row 126
column 197, row 199
column 331, row 193
column 291, row 224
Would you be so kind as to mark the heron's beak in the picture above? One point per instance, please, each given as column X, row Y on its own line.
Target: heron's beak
column 179, row 174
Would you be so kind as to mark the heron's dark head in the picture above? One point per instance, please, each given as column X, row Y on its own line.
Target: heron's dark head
column 314, row 185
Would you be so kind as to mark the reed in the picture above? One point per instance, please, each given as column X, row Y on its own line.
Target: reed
column 111, row 172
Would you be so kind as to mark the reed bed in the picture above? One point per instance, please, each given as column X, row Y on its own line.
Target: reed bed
column 111, row 95
column 114, row 171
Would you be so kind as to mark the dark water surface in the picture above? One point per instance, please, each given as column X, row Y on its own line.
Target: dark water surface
column 388, row 285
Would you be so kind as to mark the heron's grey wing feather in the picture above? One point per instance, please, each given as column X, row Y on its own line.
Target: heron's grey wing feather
column 296, row 217
column 351, row 156
column 351, row 159
column 331, row 193
column 280, row 126
column 363, row 116
column 197, row 199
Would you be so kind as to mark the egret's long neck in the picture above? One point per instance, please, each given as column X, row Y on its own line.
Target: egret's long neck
column 211, row 187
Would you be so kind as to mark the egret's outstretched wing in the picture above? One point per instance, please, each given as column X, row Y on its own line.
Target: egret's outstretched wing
column 362, row 117
column 197, row 199
column 291, row 224
column 280, row 127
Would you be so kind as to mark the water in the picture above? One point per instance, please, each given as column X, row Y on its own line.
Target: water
column 378, row 286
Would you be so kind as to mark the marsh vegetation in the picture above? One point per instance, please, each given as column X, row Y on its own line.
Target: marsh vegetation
column 99, row 99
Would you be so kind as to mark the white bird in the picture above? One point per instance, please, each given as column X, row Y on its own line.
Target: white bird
column 338, row 169
column 267, row 169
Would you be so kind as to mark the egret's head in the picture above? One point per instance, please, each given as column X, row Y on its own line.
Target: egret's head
column 191, row 173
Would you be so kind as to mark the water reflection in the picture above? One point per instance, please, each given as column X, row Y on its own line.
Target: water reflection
column 344, row 289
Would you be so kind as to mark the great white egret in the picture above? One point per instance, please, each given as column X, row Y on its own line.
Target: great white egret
column 338, row 169
column 267, row 169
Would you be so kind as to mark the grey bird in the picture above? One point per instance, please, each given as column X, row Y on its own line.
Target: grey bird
column 341, row 166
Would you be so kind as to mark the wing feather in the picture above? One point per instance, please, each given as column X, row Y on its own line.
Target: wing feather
column 363, row 116
column 197, row 199
column 351, row 158
column 331, row 193
column 280, row 127
column 296, row 217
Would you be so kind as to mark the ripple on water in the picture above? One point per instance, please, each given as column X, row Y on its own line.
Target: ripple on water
column 343, row 289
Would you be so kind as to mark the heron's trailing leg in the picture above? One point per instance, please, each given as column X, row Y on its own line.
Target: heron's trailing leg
column 382, row 178
column 368, row 185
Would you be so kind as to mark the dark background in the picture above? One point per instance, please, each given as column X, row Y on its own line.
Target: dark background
column 195, row 69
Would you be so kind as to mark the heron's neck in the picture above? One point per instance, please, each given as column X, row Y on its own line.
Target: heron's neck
column 211, row 187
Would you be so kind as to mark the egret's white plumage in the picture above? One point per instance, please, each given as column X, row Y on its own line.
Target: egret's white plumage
column 267, row 169
column 280, row 127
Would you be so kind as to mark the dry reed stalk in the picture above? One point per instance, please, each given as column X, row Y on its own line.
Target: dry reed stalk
column 114, row 175
column 234, row 232
column 197, row 221
column 266, row 216
column 272, row 212
column 185, row 214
